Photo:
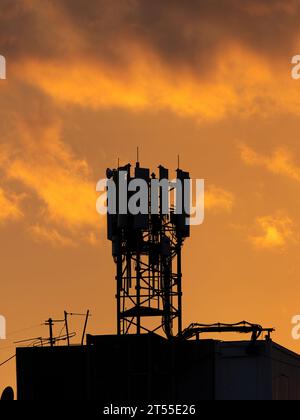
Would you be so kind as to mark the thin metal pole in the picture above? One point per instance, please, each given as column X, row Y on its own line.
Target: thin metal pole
column 67, row 328
column 179, row 287
column 119, row 286
column 138, row 292
column 85, row 325
column 50, row 323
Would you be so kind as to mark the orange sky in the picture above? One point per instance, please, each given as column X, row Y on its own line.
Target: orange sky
column 89, row 81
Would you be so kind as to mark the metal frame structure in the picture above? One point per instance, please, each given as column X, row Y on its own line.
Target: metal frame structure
column 147, row 252
column 244, row 327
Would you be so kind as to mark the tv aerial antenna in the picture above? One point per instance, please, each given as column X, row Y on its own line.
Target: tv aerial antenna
column 51, row 322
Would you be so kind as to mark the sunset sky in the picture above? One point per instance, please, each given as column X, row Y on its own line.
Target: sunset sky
column 88, row 82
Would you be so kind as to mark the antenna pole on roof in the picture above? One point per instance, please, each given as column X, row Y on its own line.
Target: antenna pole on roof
column 85, row 325
column 67, row 328
column 50, row 323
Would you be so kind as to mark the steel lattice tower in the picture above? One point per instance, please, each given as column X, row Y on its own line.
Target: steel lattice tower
column 147, row 252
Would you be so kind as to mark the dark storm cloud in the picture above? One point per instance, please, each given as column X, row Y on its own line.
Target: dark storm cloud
column 27, row 29
column 186, row 32
column 183, row 33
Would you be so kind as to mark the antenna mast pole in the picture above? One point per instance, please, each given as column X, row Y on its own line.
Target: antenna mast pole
column 50, row 324
column 85, row 326
column 67, row 327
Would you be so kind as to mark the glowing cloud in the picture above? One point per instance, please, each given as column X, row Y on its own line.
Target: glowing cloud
column 52, row 236
column 68, row 198
column 276, row 232
column 147, row 83
column 218, row 199
column 281, row 162
column 61, row 182
column 9, row 207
